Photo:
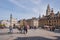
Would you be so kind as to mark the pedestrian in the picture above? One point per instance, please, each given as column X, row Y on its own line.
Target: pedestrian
column 53, row 28
column 25, row 29
column 19, row 28
column 10, row 29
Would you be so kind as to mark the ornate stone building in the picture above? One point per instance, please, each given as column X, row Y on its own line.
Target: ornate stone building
column 51, row 18
column 12, row 22
column 48, row 10
column 32, row 22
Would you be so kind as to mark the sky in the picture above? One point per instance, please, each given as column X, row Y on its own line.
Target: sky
column 25, row 9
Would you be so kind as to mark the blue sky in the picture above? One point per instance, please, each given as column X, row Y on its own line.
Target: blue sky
column 21, row 9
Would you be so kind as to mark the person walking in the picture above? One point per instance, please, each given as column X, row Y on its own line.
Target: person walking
column 25, row 29
column 10, row 28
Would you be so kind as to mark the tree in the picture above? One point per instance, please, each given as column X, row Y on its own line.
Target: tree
column 1, row 26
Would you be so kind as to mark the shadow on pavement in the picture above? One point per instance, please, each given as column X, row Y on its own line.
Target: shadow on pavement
column 58, row 37
column 32, row 38
column 8, row 33
column 4, row 33
column 57, row 31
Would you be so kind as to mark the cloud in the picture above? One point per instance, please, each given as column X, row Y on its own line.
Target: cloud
column 21, row 2
column 38, row 9
column 17, row 2
column 35, row 1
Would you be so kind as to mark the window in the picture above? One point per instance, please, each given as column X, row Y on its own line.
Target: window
column 54, row 21
column 49, row 21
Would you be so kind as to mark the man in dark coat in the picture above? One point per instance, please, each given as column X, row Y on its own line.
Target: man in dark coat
column 25, row 29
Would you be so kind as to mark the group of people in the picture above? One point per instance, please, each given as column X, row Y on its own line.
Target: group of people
column 50, row 28
column 22, row 29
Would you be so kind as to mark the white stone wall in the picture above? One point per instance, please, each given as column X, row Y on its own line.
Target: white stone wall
column 14, row 21
column 5, row 22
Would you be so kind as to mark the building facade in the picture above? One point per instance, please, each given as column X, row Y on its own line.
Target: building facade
column 51, row 18
column 5, row 23
column 12, row 22
column 32, row 22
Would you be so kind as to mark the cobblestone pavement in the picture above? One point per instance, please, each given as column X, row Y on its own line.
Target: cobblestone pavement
column 33, row 34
